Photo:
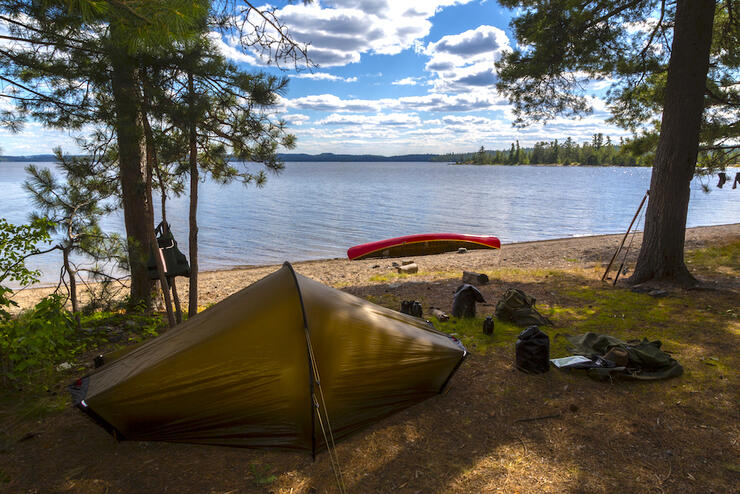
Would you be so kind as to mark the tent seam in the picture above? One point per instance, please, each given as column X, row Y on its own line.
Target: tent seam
column 308, row 352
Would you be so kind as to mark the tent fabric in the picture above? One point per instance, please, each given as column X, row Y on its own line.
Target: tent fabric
column 240, row 373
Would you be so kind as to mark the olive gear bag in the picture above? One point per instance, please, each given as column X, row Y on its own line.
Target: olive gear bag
column 518, row 307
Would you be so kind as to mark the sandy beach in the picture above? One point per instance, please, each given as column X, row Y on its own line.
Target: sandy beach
column 363, row 277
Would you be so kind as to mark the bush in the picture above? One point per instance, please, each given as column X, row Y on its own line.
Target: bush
column 36, row 340
column 17, row 243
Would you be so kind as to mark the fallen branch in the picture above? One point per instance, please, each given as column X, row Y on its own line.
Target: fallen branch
column 532, row 419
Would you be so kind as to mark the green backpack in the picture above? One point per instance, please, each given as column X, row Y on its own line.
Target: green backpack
column 518, row 307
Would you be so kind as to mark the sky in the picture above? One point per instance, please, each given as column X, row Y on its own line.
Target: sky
column 393, row 77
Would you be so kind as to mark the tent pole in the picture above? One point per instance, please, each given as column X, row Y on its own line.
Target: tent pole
column 311, row 379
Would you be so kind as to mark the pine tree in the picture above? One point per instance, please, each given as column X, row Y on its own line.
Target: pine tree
column 662, row 73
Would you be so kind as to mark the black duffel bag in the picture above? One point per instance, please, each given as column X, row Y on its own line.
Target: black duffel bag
column 533, row 351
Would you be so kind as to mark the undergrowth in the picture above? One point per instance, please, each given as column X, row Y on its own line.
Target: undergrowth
column 47, row 342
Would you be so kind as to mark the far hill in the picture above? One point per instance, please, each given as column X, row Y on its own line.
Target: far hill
column 36, row 158
column 356, row 157
column 42, row 158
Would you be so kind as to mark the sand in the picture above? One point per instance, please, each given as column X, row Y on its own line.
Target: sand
column 356, row 276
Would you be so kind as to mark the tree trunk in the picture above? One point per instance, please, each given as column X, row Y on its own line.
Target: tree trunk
column 132, row 166
column 151, row 164
column 193, row 239
column 72, row 280
column 662, row 253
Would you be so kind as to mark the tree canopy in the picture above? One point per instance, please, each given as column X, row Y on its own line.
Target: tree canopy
column 672, row 67
column 113, row 64
column 565, row 44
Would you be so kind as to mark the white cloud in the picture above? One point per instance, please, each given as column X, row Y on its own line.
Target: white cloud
column 343, row 30
column 323, row 76
column 37, row 139
column 394, row 127
column 465, row 61
column 229, row 51
column 406, row 81
column 433, row 102
column 390, row 119
column 295, row 119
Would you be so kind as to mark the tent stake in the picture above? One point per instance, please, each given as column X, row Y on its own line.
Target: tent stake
column 625, row 235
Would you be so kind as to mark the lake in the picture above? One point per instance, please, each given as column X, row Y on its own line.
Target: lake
column 318, row 210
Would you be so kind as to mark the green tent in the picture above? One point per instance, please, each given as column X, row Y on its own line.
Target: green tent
column 271, row 366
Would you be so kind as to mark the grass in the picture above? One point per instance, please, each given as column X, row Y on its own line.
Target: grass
column 723, row 259
column 470, row 333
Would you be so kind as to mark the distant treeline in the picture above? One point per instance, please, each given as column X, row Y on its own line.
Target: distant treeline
column 41, row 158
column 600, row 151
column 357, row 157
column 35, row 158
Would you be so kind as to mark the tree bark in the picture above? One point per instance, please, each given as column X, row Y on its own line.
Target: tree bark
column 662, row 253
column 72, row 280
column 132, row 171
column 193, row 238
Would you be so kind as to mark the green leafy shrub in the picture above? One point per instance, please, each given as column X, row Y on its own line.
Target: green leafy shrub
column 17, row 243
column 36, row 340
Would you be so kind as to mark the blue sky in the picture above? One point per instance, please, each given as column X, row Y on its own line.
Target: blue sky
column 394, row 77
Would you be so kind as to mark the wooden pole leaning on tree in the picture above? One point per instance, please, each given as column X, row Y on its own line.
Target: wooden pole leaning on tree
column 642, row 203
column 176, row 299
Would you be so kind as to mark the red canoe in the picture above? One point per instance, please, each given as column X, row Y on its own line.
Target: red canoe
column 421, row 244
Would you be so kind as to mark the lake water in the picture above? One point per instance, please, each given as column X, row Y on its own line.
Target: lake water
column 318, row 210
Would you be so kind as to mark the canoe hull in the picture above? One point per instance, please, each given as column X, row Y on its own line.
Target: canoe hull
column 421, row 245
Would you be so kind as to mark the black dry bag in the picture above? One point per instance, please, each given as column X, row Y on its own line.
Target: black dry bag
column 465, row 298
column 533, row 351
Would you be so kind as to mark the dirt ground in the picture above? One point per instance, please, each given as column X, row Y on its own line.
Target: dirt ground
column 679, row 435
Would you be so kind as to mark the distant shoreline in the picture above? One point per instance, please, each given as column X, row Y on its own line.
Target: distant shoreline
column 288, row 157
column 341, row 158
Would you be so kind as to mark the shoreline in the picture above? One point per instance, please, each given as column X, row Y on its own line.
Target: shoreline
column 582, row 252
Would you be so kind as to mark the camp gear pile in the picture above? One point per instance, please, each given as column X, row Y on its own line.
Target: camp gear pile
column 639, row 360
column 518, row 307
column 533, row 351
column 268, row 366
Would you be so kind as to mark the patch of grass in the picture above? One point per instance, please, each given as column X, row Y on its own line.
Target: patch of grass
column 470, row 333
column 724, row 259
column 4, row 478
column 261, row 474
column 390, row 277
column 385, row 300
column 434, row 275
